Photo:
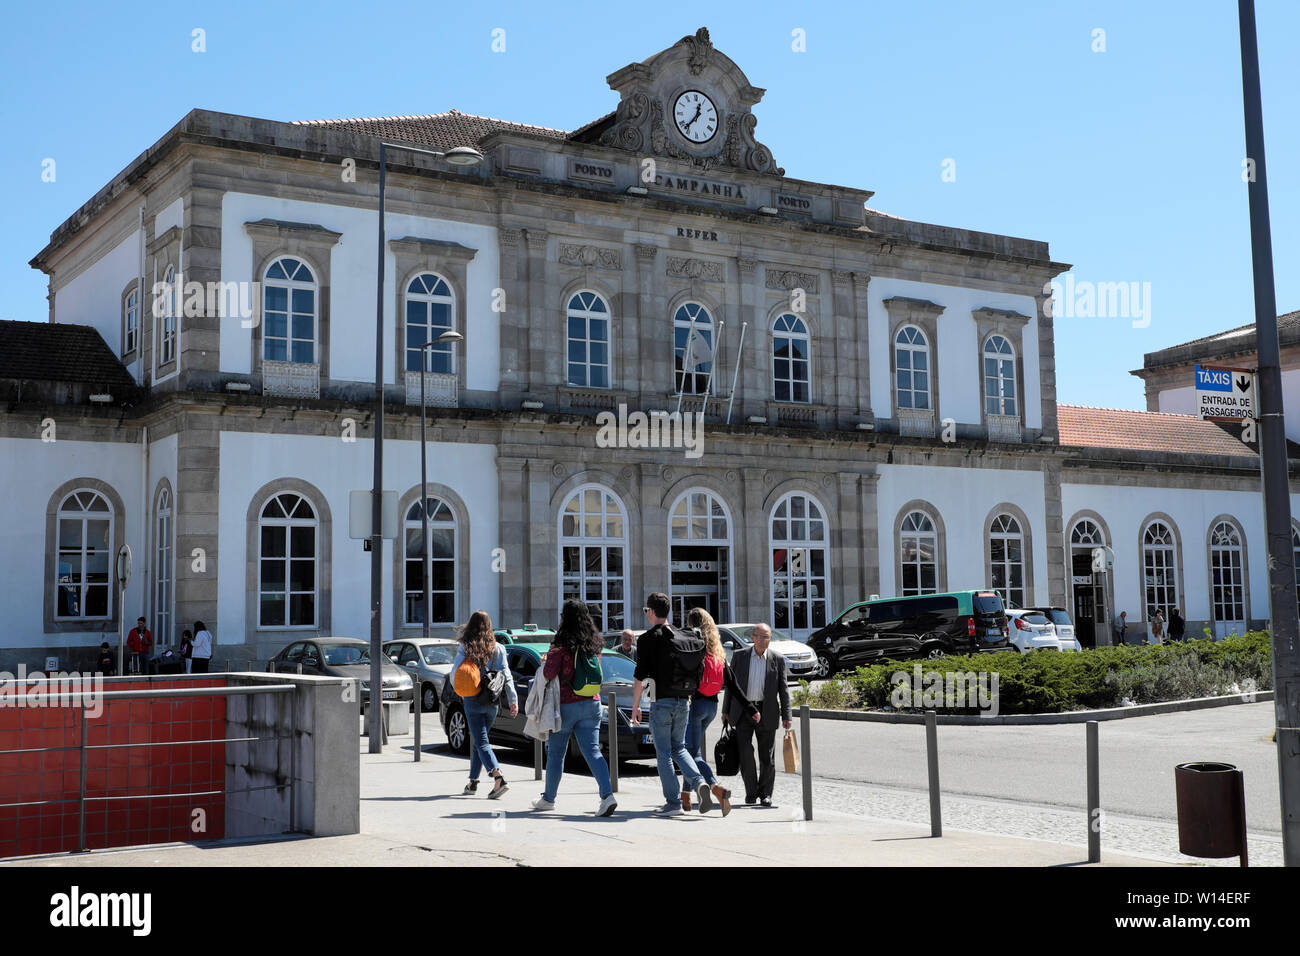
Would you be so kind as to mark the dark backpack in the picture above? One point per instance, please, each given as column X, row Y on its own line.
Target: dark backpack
column 687, row 649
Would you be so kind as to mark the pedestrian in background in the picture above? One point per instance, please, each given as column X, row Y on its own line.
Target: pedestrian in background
column 1177, row 626
column 1121, row 627
column 478, row 646
column 202, row 652
column 761, row 673
column 1158, row 628
column 106, row 664
column 576, row 642
column 187, row 648
column 140, row 643
column 627, row 643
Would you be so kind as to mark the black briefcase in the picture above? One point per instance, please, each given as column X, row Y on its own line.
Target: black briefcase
column 726, row 754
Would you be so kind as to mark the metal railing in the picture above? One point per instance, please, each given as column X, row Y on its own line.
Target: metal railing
column 91, row 698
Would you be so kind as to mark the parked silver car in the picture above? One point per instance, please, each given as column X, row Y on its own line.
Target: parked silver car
column 341, row 657
column 427, row 662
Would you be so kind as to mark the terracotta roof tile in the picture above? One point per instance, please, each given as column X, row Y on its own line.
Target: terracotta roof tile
column 1145, row 431
column 46, row 352
column 437, row 130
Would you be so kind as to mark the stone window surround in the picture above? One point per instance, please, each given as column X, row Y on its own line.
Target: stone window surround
column 941, row 547
column 165, row 250
column 1026, row 546
column 273, row 239
column 1011, row 326
column 402, row 630
column 1108, row 586
column 1168, row 522
column 691, row 295
column 162, row 640
column 49, row 601
column 130, row 355
column 413, row 256
column 563, row 495
column 609, row 296
column 1209, row 566
column 923, row 314
column 824, row 545
column 324, row 562
column 777, row 310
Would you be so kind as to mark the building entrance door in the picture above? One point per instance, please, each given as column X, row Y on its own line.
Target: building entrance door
column 699, row 579
column 1091, row 623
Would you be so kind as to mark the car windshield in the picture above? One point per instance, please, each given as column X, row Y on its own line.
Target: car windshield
column 1033, row 617
column 438, row 653
column 337, row 654
column 616, row 668
column 1060, row 617
column 742, row 635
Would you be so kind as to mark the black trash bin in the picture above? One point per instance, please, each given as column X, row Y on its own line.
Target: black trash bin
column 1211, row 810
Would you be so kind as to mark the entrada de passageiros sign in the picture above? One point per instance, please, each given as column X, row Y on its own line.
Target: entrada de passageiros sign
column 1225, row 393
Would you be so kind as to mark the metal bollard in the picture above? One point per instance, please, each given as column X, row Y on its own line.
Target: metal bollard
column 932, row 760
column 1094, row 795
column 805, row 732
column 613, row 742
column 537, row 758
column 417, row 712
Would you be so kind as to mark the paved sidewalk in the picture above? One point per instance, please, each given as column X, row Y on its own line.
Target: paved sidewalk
column 413, row 815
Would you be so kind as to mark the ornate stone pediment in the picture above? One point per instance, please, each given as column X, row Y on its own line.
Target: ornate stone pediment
column 694, row 269
column 598, row 257
column 788, row 279
column 643, row 121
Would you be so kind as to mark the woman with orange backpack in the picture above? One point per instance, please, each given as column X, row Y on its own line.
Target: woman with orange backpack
column 574, row 659
column 481, row 676
column 704, row 702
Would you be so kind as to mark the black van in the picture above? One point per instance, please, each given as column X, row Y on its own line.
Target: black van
column 923, row 626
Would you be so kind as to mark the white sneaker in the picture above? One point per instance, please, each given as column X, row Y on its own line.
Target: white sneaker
column 670, row 810
column 607, row 806
column 541, row 803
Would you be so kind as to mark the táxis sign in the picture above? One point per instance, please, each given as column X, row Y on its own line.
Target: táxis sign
column 1226, row 394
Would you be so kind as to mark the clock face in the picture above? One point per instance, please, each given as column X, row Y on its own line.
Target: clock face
column 696, row 116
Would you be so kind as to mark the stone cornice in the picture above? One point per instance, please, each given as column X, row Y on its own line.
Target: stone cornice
column 277, row 229
column 433, row 248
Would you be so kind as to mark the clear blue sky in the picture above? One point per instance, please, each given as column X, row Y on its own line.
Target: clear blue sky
column 1127, row 162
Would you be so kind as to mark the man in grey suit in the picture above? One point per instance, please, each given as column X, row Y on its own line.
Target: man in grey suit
column 761, row 674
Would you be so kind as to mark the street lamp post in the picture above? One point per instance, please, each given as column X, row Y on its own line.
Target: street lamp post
column 459, row 156
column 425, row 517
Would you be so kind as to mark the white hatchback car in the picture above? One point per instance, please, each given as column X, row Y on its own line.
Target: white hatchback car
column 1069, row 641
column 1032, row 631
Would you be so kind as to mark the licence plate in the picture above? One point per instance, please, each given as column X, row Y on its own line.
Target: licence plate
column 646, row 738
column 390, row 695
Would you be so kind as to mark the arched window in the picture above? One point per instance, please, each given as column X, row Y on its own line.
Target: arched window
column 289, row 312
column 430, row 311
column 85, row 558
column 593, row 545
column 131, row 321
column 442, row 563
column 286, row 575
column 1007, row 560
column 1086, row 532
column 912, row 366
column 1159, row 569
column 799, row 565
column 918, row 550
column 162, row 601
column 790, row 360
column 588, row 330
column 691, row 317
column 999, row 376
column 1227, row 579
column 171, row 309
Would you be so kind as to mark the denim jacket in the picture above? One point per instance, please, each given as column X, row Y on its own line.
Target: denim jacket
column 498, row 663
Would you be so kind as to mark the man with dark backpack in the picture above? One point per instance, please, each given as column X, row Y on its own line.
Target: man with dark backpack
column 674, row 660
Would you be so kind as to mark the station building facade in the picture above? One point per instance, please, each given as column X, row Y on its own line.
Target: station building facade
column 892, row 427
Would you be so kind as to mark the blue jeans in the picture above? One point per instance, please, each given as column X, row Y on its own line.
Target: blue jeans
column 701, row 715
column 581, row 720
column 480, row 718
column 668, row 719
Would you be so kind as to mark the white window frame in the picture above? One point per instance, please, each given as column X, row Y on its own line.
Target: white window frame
column 84, row 515
column 1006, row 529
column 1159, row 560
column 912, row 347
column 429, row 300
column 290, row 285
column 289, row 523
column 164, row 572
column 1003, row 378
column 1228, row 557
column 682, row 320
column 171, row 312
column 576, row 585
column 792, row 581
column 796, row 330
column 437, row 506
column 131, row 321
column 917, row 534
column 586, row 299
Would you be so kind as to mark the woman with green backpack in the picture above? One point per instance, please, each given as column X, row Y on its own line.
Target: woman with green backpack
column 574, row 660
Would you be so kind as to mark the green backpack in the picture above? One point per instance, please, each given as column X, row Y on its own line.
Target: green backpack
column 587, row 675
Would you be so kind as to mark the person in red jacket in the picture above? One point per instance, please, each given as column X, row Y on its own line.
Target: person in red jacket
column 140, row 643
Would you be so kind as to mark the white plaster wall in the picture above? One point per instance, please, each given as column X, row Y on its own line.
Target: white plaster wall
column 173, row 215
column 1178, row 401
column 1125, row 512
column 352, row 292
column 963, row 497
column 960, row 364
column 30, row 472
column 249, row 461
column 94, row 298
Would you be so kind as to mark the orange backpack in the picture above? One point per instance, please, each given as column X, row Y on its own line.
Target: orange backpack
column 466, row 680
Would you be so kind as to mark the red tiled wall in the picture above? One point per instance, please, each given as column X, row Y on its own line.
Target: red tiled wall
column 118, row 772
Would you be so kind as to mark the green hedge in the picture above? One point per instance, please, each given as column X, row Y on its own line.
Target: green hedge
column 1041, row 683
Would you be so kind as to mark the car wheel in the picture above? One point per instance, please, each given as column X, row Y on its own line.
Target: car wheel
column 935, row 651
column 825, row 666
column 458, row 732
column 428, row 699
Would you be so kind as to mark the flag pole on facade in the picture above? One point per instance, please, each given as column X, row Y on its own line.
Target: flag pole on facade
column 686, row 362
column 740, row 351
column 708, row 381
